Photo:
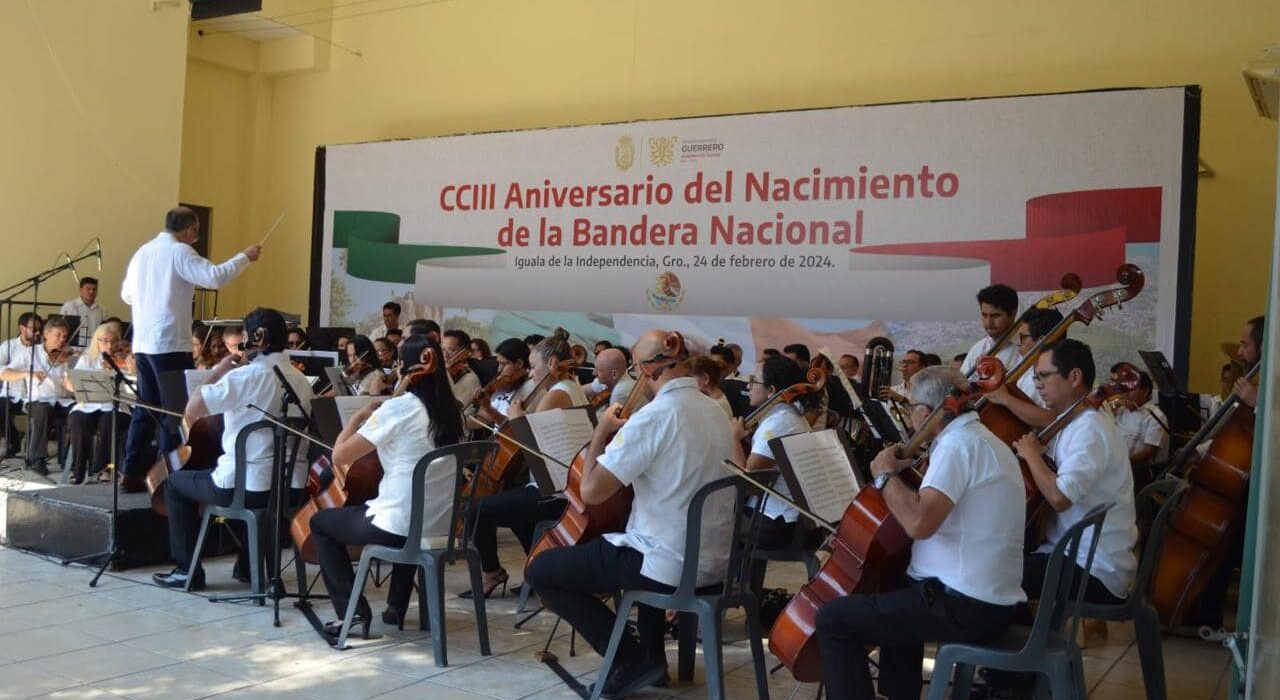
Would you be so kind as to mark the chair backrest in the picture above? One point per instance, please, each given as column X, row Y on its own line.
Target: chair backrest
column 242, row 472
column 458, row 459
column 746, row 525
column 1173, row 492
column 1060, row 594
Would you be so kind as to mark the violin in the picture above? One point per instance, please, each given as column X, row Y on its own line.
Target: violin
column 1213, row 512
column 869, row 548
column 456, row 363
column 602, row 399
column 580, row 522
column 815, row 381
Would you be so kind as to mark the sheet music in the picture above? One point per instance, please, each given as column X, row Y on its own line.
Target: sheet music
column 560, row 434
column 348, row 406
column 91, row 385
column 196, row 377
column 822, row 467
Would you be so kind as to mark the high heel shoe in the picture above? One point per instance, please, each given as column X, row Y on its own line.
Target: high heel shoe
column 499, row 579
column 391, row 615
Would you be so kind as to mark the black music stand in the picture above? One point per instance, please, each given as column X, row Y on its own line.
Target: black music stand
column 1181, row 408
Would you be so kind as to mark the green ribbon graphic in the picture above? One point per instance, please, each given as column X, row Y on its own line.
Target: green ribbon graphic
column 374, row 250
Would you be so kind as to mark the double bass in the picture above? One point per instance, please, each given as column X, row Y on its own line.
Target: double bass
column 869, row 549
column 352, row 484
column 1069, row 288
column 1007, row 426
column 1212, row 514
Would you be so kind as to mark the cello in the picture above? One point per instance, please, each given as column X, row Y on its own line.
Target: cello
column 869, row 548
column 1213, row 512
column 352, row 484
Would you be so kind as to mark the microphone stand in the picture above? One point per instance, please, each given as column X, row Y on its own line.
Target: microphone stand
column 113, row 551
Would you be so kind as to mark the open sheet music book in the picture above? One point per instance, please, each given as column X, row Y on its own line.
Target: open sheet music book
column 560, row 433
column 92, row 386
column 817, row 469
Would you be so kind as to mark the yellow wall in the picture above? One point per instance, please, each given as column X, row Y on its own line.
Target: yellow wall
column 480, row 65
column 91, row 112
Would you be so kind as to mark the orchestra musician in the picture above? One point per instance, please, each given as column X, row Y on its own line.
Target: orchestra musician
column 777, row 526
column 912, row 361
column 611, row 375
column 364, row 369
column 1038, row 323
column 998, row 307
column 522, row 508
column 159, row 284
column 708, row 370
column 456, row 345
column 85, row 306
column 402, row 429
column 483, row 363
column 1142, row 425
column 1092, row 468
column 1207, row 610
column 239, row 380
column 297, row 339
column 17, row 351
column 732, row 384
column 390, row 321
column 666, row 451
column 966, row 560
column 90, row 423
column 37, row 373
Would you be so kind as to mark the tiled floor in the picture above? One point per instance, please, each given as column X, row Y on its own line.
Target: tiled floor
column 128, row 638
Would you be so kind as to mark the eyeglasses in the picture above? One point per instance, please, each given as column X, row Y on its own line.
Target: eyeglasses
column 752, row 381
column 1042, row 377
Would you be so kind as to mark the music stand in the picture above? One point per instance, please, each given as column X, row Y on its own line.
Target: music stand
column 337, row 381
column 1181, row 408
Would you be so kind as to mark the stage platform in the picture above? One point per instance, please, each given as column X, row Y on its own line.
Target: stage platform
column 69, row 522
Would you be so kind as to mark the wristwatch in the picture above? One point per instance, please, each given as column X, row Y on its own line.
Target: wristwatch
column 881, row 480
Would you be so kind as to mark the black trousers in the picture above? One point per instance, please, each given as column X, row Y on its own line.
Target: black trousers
column 138, row 454
column 520, row 509
column 332, row 529
column 11, row 434
column 41, row 419
column 91, row 439
column 1034, row 567
column 900, row 623
column 184, row 491
column 569, row 579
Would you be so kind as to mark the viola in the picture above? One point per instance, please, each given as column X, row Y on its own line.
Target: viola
column 601, row 398
column 815, row 381
column 580, row 522
column 1212, row 514
column 869, row 550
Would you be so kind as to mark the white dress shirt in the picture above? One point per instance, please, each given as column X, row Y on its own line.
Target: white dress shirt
column 1093, row 468
column 254, row 383
column 401, row 431
column 159, row 285
column 50, row 390
column 1007, row 355
column 1144, row 426
column 667, row 451
column 90, row 318
column 977, row 550
column 780, row 421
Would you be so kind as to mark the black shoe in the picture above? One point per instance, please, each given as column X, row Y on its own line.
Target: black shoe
column 392, row 615
column 333, row 630
column 40, row 467
column 178, row 579
column 240, row 571
column 628, row 678
column 132, row 484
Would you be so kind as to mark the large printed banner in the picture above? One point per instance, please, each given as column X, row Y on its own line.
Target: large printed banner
column 824, row 227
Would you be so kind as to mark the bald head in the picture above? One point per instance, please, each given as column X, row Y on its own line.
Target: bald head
column 611, row 365
column 650, row 346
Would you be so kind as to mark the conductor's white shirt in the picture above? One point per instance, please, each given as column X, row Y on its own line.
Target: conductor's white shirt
column 159, row 284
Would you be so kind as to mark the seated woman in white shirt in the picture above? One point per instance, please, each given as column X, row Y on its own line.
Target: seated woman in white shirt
column 90, row 423
column 709, row 371
column 751, row 449
column 402, row 429
column 522, row 508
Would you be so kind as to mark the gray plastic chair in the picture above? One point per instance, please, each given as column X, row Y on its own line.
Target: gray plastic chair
column 709, row 603
column 1048, row 647
column 431, row 561
column 253, row 518
column 1138, row 607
